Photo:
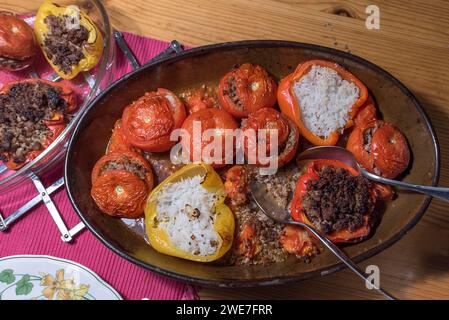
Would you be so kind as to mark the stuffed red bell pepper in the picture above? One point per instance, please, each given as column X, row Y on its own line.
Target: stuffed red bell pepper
column 32, row 115
column 322, row 98
column 335, row 199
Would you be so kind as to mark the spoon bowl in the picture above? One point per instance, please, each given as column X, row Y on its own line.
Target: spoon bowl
column 332, row 153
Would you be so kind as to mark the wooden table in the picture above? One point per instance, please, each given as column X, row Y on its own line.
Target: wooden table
column 412, row 43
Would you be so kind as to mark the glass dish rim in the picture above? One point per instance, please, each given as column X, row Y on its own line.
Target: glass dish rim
column 92, row 93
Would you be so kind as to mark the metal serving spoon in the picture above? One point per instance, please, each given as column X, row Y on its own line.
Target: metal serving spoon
column 345, row 156
column 272, row 210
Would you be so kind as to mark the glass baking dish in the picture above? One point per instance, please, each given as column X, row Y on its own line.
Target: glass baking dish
column 89, row 84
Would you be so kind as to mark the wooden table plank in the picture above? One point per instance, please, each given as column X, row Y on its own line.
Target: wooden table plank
column 412, row 44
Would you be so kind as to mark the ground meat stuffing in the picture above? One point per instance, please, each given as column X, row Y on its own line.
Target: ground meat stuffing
column 367, row 138
column 127, row 165
column 281, row 185
column 337, row 200
column 64, row 46
column 10, row 63
column 266, row 238
column 232, row 93
column 280, row 188
column 22, row 111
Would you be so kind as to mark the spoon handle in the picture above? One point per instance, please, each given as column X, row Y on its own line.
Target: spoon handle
column 343, row 257
column 437, row 192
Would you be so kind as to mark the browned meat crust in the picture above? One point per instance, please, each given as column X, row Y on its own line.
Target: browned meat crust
column 337, row 200
column 22, row 111
column 63, row 46
column 10, row 63
column 127, row 165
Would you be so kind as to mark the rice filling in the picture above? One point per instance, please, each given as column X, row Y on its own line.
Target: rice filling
column 325, row 100
column 186, row 211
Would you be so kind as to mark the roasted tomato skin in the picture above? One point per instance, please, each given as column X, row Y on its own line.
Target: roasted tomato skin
column 236, row 184
column 297, row 241
column 121, row 157
column 200, row 98
column 357, row 144
column 367, row 113
column 210, row 118
column 385, row 152
column 298, row 214
column 120, row 193
column 390, row 151
column 118, row 142
column 19, row 44
column 148, row 122
column 291, row 147
column 270, row 119
column 246, row 89
column 383, row 192
column 56, row 131
column 246, row 244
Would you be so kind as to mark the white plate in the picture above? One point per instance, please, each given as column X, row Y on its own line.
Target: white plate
column 32, row 277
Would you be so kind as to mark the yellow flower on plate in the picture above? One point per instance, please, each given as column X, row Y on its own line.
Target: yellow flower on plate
column 65, row 289
column 77, row 293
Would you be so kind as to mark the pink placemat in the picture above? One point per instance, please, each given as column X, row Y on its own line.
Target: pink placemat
column 36, row 233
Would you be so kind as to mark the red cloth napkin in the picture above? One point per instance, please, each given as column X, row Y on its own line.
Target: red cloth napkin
column 36, row 232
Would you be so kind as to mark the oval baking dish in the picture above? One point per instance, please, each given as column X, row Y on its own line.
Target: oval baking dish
column 206, row 65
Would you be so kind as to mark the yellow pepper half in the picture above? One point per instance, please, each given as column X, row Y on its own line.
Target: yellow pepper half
column 224, row 218
column 92, row 50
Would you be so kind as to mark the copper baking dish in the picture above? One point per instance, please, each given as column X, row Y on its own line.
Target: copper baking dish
column 206, row 65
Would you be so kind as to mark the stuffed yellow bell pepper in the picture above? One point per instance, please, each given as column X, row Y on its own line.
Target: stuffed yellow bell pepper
column 175, row 233
column 71, row 42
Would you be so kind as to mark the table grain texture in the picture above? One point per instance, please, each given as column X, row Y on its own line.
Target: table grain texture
column 412, row 44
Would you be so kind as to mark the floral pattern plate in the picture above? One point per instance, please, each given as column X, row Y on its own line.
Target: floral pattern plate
column 33, row 277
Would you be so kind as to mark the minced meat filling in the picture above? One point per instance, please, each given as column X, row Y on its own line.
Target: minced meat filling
column 337, row 200
column 64, row 46
column 367, row 141
column 6, row 62
column 232, row 93
column 127, row 165
column 22, row 111
column 367, row 138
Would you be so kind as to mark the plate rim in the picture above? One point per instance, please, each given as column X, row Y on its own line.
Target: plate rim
column 280, row 279
column 67, row 261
